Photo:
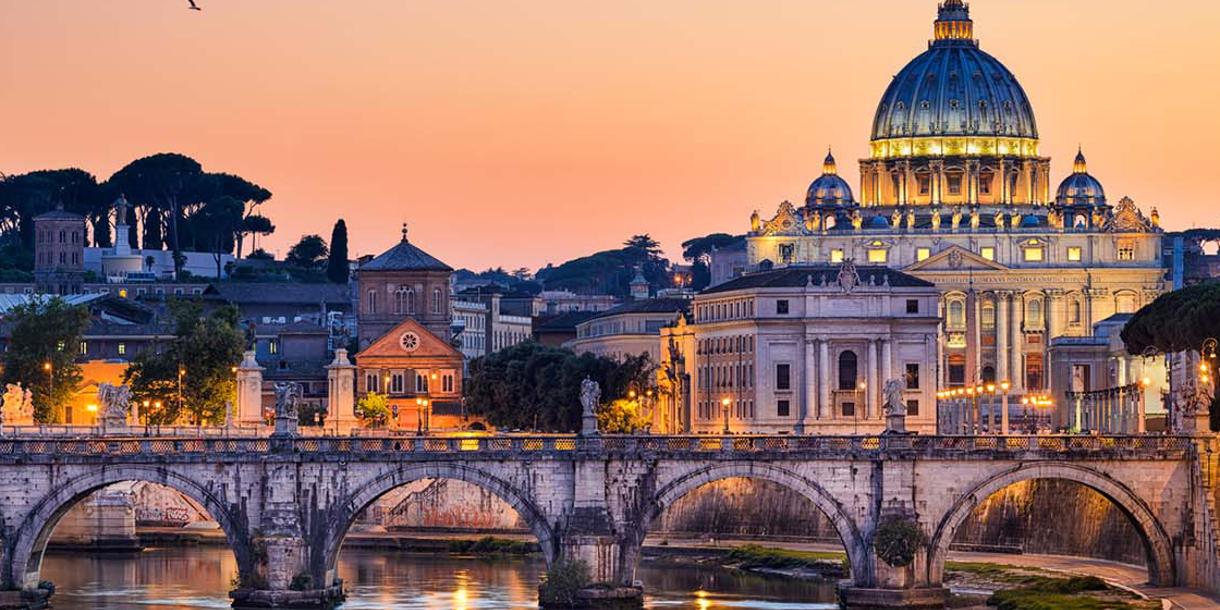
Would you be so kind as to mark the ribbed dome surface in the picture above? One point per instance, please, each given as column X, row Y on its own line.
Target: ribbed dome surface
column 830, row 189
column 954, row 89
column 1081, row 188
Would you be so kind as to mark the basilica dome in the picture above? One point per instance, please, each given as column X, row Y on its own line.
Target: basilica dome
column 954, row 89
column 830, row 189
column 1081, row 188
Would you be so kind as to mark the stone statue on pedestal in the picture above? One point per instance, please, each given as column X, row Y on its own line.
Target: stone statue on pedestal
column 116, row 405
column 590, row 400
column 895, row 407
column 287, row 407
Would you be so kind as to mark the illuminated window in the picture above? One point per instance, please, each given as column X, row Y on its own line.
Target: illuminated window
column 84, row 348
column 925, row 184
column 923, row 254
column 955, row 184
column 1034, row 255
column 836, row 255
column 957, row 314
column 987, row 253
column 878, row 256
column 1075, row 254
column 1126, row 253
column 273, row 347
column 122, row 349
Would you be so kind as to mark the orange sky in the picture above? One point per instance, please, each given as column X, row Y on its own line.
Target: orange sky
column 517, row 132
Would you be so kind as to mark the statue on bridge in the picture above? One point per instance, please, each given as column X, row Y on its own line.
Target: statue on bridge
column 116, row 405
column 895, row 407
column 288, row 397
column 18, row 406
column 590, row 400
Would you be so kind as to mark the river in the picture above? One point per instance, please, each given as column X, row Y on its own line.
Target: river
column 200, row 577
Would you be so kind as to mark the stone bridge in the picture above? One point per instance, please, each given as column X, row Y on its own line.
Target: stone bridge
column 286, row 504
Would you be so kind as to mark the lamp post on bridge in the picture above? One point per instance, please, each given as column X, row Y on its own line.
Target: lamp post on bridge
column 725, row 403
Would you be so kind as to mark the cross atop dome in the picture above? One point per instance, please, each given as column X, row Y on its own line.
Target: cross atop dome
column 953, row 21
column 404, row 232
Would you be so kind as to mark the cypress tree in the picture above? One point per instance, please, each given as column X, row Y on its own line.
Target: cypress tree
column 336, row 264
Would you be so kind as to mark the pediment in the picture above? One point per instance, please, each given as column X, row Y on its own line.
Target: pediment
column 956, row 258
column 409, row 340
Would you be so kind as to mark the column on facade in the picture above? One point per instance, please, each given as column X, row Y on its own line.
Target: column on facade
column 825, row 409
column 809, row 393
column 976, row 339
column 887, row 361
column 1048, row 320
column 1017, row 364
column 940, row 345
column 972, row 345
column 870, row 390
column 1002, row 356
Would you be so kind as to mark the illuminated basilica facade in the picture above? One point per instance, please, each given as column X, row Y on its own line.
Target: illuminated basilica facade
column 956, row 193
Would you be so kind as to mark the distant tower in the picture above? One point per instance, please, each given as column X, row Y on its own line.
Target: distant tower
column 59, row 252
column 639, row 286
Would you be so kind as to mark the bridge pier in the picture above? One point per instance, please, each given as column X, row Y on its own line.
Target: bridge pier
column 281, row 578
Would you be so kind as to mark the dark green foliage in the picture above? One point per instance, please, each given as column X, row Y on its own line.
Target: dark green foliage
column 531, row 386
column 610, row 271
column 1178, row 321
column 562, row 582
column 700, row 248
column 753, row 556
column 897, row 541
column 46, row 332
column 308, row 253
column 204, row 351
column 25, row 196
column 337, row 266
column 489, row 545
column 1042, row 593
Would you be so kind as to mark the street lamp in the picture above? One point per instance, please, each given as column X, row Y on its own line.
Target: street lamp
column 181, row 374
column 46, row 366
column 724, row 403
column 855, row 413
column 421, row 404
column 1004, row 386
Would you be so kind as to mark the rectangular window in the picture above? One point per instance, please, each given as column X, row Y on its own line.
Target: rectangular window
column 912, row 376
column 781, row 307
column 957, row 374
column 912, row 306
column 925, row 184
column 1034, row 255
column 84, row 348
column 398, row 382
column 273, row 347
column 1075, row 254
column 878, row 257
column 1126, row 254
column 122, row 349
column 783, row 408
column 912, row 408
column 955, row 185
column 836, row 255
column 849, row 409
column 923, row 254
column 372, row 382
column 447, row 383
column 987, row 253
column 783, row 377
column 421, row 383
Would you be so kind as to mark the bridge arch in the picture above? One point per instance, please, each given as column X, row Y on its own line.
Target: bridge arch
column 1157, row 543
column 325, row 555
column 672, row 491
column 24, row 550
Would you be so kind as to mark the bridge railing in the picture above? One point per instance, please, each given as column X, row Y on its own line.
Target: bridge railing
column 807, row 446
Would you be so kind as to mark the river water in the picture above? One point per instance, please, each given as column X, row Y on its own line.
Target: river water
column 200, row 577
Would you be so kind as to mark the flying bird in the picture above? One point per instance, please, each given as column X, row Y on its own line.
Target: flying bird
column 194, row 7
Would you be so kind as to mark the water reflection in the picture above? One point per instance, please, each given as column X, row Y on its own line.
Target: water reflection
column 189, row 578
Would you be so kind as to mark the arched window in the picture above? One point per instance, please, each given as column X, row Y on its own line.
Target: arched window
column 409, row 298
column 847, row 370
column 957, row 315
column 988, row 315
column 436, row 300
column 1125, row 303
column 400, row 301
column 1033, row 314
column 1075, row 314
column 371, row 306
column 988, row 374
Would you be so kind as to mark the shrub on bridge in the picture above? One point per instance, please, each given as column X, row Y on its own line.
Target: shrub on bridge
column 897, row 541
column 562, row 583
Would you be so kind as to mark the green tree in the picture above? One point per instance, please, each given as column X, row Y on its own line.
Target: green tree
column 193, row 379
column 308, row 253
column 374, row 409
column 622, row 416
column 216, row 226
column 42, row 352
column 531, row 386
column 1178, row 321
column 163, row 187
column 337, row 266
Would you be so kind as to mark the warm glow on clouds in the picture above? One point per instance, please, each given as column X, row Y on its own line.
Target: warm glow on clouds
column 517, row 132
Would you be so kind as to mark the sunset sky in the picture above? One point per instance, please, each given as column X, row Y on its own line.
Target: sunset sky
column 520, row 132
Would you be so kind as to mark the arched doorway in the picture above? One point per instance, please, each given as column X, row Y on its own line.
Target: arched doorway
column 1156, row 542
column 37, row 526
column 328, row 546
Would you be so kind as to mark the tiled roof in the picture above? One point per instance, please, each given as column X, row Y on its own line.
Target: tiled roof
column 664, row 305
column 240, row 293
column 564, row 322
column 405, row 257
column 797, row 277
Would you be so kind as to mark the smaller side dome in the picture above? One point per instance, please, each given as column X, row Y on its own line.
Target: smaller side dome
column 830, row 189
column 1081, row 188
column 1030, row 221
